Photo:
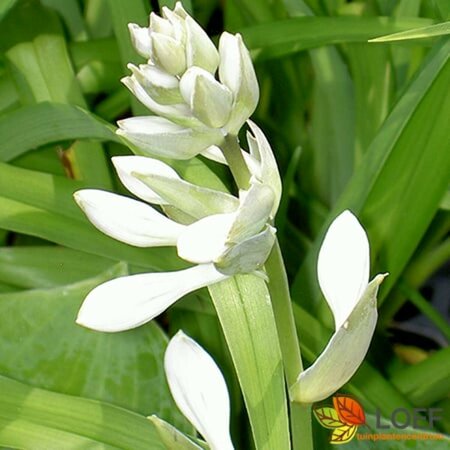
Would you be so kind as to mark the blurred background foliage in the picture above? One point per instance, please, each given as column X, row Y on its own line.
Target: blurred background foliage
column 353, row 125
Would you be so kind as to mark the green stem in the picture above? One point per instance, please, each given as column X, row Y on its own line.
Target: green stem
column 232, row 152
column 301, row 427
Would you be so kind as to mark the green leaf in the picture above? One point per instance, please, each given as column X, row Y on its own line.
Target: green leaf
column 171, row 437
column 425, row 382
column 38, row 81
column 42, row 345
column 279, row 38
column 439, row 29
column 245, row 313
column 122, row 13
column 47, row 123
column 41, row 420
column 435, row 441
column 5, row 7
column 23, row 267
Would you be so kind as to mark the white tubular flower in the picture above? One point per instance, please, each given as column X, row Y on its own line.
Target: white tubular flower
column 343, row 272
column 199, row 390
column 230, row 236
column 128, row 220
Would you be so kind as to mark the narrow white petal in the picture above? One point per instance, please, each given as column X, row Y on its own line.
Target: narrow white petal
column 168, row 53
column 344, row 353
column 253, row 212
column 214, row 154
column 200, row 50
column 155, row 136
column 126, row 165
column 160, row 25
column 127, row 220
column 205, row 240
column 178, row 112
column 199, row 390
column 128, row 302
column 230, row 68
column 140, row 39
column 343, row 265
column 267, row 172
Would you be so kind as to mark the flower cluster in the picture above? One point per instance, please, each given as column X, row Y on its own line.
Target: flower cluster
column 219, row 233
column 178, row 84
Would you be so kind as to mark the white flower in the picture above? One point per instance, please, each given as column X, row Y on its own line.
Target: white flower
column 343, row 273
column 199, row 390
column 178, row 84
column 228, row 235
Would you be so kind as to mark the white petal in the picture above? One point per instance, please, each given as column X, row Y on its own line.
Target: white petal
column 178, row 112
column 343, row 265
column 205, row 240
column 127, row 220
column 237, row 73
column 199, row 390
column 195, row 201
column 344, row 353
column 125, row 165
column 168, row 53
column 128, row 302
column 161, row 87
column 214, row 154
column 140, row 39
column 156, row 136
column 209, row 100
column 268, row 170
column 160, row 25
column 253, row 212
column 230, row 69
column 200, row 50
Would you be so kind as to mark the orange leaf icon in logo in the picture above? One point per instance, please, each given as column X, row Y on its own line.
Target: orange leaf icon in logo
column 328, row 417
column 349, row 410
column 343, row 434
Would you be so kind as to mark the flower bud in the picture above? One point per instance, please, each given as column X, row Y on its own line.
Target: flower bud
column 168, row 53
column 140, row 38
column 209, row 100
column 159, row 85
column 237, row 73
column 200, row 50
